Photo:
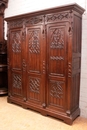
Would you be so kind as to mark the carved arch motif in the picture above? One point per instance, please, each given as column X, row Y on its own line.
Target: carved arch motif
column 17, row 81
column 56, row 89
column 16, row 42
column 34, row 45
column 57, row 38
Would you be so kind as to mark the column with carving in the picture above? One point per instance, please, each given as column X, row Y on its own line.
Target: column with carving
column 3, row 51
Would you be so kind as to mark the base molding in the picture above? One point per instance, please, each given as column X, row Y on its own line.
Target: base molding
column 68, row 119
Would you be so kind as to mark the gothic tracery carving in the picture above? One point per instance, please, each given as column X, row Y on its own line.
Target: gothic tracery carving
column 56, row 89
column 34, row 45
column 56, row 17
column 17, row 81
column 34, row 84
column 16, row 42
column 57, row 38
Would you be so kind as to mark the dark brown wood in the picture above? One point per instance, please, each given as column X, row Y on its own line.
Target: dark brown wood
column 3, row 51
column 44, row 55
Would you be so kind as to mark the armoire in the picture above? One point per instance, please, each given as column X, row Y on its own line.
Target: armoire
column 44, row 61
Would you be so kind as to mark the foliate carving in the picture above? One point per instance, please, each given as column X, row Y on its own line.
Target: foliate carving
column 34, row 45
column 56, row 89
column 17, row 81
column 71, row 23
column 16, row 23
column 57, row 38
column 57, row 17
column 69, row 70
column 34, row 85
column 56, row 58
column 34, row 20
column 16, row 42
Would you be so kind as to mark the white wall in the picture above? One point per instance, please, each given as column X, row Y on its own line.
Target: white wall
column 16, row 7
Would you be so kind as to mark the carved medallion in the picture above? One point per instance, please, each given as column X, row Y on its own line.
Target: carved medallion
column 16, row 42
column 34, row 85
column 57, row 38
column 34, row 45
column 17, row 81
column 56, row 89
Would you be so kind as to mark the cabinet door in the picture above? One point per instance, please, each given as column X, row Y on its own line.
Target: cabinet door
column 35, row 65
column 15, row 63
column 57, row 65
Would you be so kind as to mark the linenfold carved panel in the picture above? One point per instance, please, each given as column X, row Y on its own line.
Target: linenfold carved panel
column 17, row 81
column 34, row 85
column 34, row 45
column 56, row 89
column 57, row 38
column 16, row 41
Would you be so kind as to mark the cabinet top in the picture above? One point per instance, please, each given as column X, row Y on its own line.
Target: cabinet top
column 71, row 7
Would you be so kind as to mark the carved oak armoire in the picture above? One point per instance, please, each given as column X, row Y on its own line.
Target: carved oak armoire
column 3, row 51
column 44, row 56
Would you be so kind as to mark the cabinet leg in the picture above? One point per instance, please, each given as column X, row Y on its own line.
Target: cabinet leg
column 43, row 113
column 68, row 121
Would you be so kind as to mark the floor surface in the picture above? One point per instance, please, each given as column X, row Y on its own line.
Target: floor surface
column 14, row 117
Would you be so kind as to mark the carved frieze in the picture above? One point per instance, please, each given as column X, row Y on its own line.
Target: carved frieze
column 57, row 38
column 56, row 89
column 16, row 42
column 16, row 23
column 34, row 85
column 57, row 17
column 34, row 45
column 34, row 20
column 17, row 81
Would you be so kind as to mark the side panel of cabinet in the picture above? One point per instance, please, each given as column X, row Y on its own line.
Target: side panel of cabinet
column 35, row 65
column 15, row 63
column 57, row 66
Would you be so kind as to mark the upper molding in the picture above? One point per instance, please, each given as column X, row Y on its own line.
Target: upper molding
column 69, row 7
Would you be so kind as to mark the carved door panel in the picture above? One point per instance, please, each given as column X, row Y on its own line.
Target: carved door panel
column 57, row 62
column 15, row 56
column 35, row 65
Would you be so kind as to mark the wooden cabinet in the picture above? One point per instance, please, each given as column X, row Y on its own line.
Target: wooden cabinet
column 44, row 57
